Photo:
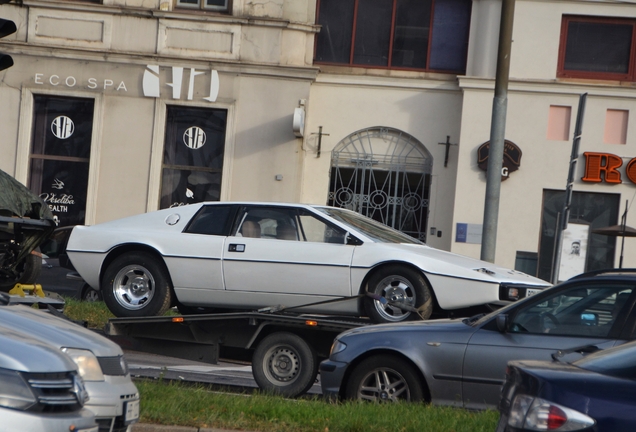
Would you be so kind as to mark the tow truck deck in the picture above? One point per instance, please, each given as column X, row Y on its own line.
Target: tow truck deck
column 284, row 348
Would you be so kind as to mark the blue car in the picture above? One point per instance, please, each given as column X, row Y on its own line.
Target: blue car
column 595, row 393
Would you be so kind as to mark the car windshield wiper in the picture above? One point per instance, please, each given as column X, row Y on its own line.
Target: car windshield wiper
column 473, row 319
column 585, row 349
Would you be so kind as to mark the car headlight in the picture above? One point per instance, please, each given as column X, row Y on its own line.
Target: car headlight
column 87, row 364
column 337, row 347
column 14, row 391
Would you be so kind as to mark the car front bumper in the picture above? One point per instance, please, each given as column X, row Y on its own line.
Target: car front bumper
column 83, row 421
column 331, row 376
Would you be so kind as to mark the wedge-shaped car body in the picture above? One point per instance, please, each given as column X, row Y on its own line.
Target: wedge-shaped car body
column 463, row 362
column 113, row 397
column 40, row 387
column 255, row 255
column 595, row 393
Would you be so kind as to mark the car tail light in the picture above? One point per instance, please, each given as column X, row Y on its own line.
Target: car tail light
column 537, row 414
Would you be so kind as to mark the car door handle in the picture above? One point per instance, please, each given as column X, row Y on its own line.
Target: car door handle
column 236, row 248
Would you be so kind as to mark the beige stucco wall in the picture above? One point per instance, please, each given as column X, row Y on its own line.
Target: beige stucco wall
column 427, row 109
column 544, row 164
column 265, row 144
column 537, row 32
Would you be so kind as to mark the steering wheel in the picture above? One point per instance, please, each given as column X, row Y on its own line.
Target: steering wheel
column 552, row 318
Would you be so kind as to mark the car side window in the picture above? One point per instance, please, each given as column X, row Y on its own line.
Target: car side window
column 269, row 223
column 315, row 230
column 588, row 311
column 210, row 220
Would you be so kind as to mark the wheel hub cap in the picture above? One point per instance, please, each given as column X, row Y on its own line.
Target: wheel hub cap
column 133, row 287
column 396, row 289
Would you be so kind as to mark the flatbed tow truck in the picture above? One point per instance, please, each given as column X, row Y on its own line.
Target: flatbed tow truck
column 284, row 347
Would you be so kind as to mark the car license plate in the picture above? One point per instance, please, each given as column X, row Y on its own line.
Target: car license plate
column 531, row 292
column 131, row 411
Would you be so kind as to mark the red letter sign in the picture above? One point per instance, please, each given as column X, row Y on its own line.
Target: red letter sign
column 594, row 166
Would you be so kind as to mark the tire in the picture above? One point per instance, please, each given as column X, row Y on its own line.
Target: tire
column 397, row 283
column 29, row 271
column 284, row 364
column 384, row 378
column 136, row 284
column 90, row 294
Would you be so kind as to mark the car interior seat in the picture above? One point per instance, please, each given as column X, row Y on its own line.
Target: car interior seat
column 251, row 229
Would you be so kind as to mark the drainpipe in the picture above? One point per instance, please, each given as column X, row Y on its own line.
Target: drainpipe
column 497, row 133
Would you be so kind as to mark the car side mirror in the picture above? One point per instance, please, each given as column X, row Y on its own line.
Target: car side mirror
column 589, row 319
column 502, row 323
column 351, row 240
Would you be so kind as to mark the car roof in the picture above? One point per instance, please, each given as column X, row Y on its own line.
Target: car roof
column 626, row 274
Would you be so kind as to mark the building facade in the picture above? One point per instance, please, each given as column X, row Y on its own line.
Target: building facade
column 382, row 106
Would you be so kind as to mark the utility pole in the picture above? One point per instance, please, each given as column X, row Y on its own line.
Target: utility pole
column 497, row 133
column 564, row 216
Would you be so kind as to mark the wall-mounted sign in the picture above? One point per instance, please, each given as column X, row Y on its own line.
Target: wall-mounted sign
column 607, row 164
column 71, row 82
column 511, row 159
column 468, row 233
column 152, row 82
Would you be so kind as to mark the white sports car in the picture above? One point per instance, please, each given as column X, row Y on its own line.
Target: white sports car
column 246, row 256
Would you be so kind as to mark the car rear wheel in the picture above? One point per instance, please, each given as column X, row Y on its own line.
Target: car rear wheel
column 384, row 378
column 90, row 294
column 397, row 286
column 136, row 284
column 285, row 364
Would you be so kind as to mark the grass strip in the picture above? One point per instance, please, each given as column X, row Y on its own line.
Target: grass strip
column 173, row 403
column 96, row 314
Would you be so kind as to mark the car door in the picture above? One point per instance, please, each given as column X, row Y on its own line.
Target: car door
column 195, row 262
column 564, row 319
column 289, row 251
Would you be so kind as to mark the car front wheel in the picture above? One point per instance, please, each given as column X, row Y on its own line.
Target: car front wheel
column 400, row 293
column 384, row 378
column 136, row 284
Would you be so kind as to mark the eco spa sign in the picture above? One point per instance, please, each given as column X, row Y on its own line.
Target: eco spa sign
column 601, row 167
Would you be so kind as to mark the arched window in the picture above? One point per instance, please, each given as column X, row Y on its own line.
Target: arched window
column 385, row 174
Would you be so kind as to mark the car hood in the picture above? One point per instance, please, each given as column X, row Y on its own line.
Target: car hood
column 436, row 261
column 58, row 332
column 442, row 330
column 24, row 353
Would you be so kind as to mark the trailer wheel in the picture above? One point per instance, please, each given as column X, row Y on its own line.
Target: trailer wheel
column 285, row 364
column 136, row 284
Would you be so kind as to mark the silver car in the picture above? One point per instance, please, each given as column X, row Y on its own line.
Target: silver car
column 462, row 362
column 114, row 399
column 40, row 388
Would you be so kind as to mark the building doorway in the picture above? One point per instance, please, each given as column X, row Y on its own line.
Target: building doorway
column 384, row 174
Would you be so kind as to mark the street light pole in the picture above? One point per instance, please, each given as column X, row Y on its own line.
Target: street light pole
column 497, row 133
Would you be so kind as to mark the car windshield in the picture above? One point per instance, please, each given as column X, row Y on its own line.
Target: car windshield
column 370, row 228
column 619, row 361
